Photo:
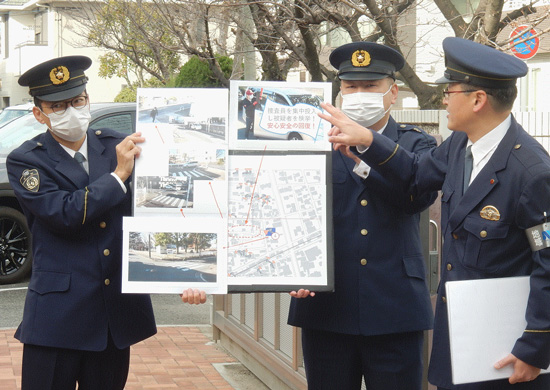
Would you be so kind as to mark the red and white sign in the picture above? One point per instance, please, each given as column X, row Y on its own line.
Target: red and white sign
column 527, row 49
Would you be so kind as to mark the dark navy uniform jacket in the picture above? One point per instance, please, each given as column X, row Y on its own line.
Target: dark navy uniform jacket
column 380, row 285
column 515, row 182
column 74, row 297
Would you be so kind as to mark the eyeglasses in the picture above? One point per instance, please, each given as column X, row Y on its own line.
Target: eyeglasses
column 447, row 93
column 78, row 102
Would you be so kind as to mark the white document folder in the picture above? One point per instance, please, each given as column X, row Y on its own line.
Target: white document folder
column 486, row 317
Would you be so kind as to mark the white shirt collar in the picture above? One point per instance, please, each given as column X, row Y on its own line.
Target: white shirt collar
column 83, row 149
column 483, row 148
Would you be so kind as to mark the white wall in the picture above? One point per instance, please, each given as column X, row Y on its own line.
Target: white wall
column 62, row 41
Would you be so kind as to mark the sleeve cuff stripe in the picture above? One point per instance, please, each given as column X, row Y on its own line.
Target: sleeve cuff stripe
column 391, row 156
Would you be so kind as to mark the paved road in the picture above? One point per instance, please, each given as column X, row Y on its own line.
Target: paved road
column 164, row 113
column 169, row 310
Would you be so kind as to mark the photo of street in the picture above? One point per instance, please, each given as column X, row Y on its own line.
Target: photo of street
column 177, row 189
column 189, row 114
column 172, row 257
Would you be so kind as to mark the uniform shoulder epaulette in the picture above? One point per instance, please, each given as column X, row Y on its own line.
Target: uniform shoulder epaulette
column 108, row 133
column 31, row 144
column 409, row 127
column 531, row 153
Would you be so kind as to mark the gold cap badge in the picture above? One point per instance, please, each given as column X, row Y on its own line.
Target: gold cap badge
column 59, row 75
column 30, row 180
column 360, row 58
column 490, row 212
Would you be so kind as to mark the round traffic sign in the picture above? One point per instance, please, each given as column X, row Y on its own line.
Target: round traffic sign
column 527, row 49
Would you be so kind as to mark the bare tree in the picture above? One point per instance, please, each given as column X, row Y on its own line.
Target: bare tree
column 131, row 29
column 285, row 34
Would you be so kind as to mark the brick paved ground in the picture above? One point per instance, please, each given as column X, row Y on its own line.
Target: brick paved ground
column 175, row 358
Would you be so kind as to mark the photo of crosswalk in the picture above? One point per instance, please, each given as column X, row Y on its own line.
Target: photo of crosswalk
column 176, row 190
column 169, row 201
column 195, row 175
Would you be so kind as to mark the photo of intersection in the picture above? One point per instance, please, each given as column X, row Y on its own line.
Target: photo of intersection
column 184, row 168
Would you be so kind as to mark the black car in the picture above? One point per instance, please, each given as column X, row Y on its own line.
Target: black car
column 15, row 237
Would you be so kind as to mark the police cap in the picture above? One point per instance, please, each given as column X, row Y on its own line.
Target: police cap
column 366, row 61
column 473, row 63
column 57, row 79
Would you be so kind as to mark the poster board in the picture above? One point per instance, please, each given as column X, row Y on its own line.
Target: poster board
column 270, row 195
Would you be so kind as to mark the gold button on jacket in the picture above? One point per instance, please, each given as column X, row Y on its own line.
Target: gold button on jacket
column 106, row 252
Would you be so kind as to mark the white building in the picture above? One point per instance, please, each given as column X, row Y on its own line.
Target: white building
column 32, row 32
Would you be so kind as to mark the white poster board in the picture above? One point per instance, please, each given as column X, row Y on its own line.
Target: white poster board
column 269, row 192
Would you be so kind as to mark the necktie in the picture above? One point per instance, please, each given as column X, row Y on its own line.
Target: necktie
column 468, row 163
column 80, row 158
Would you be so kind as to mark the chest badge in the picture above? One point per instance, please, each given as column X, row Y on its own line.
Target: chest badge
column 490, row 212
column 30, row 180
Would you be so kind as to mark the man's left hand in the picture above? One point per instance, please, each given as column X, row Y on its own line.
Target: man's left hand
column 523, row 372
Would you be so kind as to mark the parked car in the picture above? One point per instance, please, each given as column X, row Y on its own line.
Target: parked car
column 15, row 237
column 190, row 165
column 181, row 115
column 13, row 112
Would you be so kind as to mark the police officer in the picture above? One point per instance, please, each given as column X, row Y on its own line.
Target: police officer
column 249, row 106
column 372, row 325
column 495, row 181
column 73, row 186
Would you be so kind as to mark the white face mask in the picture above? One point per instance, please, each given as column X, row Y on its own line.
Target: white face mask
column 365, row 108
column 72, row 124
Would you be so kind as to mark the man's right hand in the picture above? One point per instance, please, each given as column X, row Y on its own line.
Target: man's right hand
column 126, row 152
column 348, row 153
column 301, row 293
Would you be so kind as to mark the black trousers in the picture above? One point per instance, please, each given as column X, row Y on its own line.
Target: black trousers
column 47, row 368
column 339, row 361
column 249, row 128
